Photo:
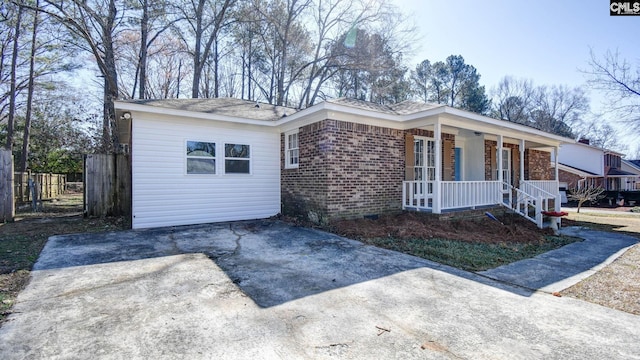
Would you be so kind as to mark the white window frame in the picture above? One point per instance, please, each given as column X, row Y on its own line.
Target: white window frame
column 225, row 158
column 288, row 163
column 214, row 158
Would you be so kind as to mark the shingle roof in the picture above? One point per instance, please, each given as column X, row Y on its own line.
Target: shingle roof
column 223, row 106
column 584, row 171
column 618, row 172
column 403, row 108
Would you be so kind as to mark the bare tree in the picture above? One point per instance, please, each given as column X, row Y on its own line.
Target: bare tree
column 620, row 83
column 13, row 80
column 154, row 20
column 203, row 22
column 92, row 25
column 30, row 89
column 601, row 134
column 634, row 153
column 329, row 17
column 337, row 20
column 169, row 65
column 586, row 194
column 513, row 99
column 286, row 37
column 557, row 109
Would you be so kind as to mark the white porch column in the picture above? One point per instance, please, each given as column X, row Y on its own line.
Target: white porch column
column 557, row 202
column 499, row 160
column 521, row 160
column 556, row 151
column 437, row 137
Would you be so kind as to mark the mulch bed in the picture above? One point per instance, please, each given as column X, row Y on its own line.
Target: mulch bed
column 413, row 225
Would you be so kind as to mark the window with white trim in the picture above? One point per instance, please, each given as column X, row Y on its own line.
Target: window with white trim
column 201, row 157
column 237, row 159
column 291, row 150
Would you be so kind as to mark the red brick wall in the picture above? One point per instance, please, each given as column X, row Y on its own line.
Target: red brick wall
column 537, row 165
column 570, row 178
column 351, row 170
column 366, row 169
column 305, row 189
column 345, row 170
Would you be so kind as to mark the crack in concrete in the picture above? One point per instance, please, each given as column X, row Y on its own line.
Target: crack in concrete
column 238, row 247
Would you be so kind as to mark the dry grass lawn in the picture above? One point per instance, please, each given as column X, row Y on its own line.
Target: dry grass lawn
column 617, row 285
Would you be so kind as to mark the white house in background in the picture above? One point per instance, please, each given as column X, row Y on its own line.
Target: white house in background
column 633, row 167
column 211, row 160
column 582, row 164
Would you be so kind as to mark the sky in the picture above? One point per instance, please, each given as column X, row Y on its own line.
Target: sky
column 542, row 40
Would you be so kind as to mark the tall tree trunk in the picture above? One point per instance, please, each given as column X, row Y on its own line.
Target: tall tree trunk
column 179, row 78
column 249, row 72
column 27, row 121
column 197, row 53
column 202, row 53
column 109, row 126
column 144, row 35
column 12, row 97
column 244, row 65
column 281, row 70
column 216, row 78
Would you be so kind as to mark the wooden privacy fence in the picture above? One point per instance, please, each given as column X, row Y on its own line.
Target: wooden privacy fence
column 7, row 208
column 48, row 186
column 107, row 185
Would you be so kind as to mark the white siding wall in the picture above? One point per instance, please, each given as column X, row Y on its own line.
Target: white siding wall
column 582, row 157
column 163, row 193
column 629, row 168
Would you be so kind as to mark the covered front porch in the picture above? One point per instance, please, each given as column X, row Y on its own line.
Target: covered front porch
column 453, row 164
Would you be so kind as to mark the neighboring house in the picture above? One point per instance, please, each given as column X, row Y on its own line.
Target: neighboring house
column 207, row 160
column 582, row 164
column 632, row 167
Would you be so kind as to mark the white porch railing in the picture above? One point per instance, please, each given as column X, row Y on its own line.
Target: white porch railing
column 469, row 194
column 547, row 189
column 549, row 186
column 418, row 195
column 524, row 203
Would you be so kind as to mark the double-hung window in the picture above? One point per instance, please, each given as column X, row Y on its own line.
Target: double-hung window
column 201, row 157
column 291, row 150
column 237, row 159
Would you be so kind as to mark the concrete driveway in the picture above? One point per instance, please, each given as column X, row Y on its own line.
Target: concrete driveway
column 265, row 290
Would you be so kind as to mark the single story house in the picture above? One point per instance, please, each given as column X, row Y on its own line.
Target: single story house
column 209, row 160
column 582, row 164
